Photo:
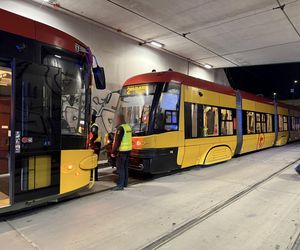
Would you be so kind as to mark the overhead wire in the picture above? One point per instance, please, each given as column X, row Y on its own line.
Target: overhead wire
column 173, row 31
column 282, row 6
column 185, row 35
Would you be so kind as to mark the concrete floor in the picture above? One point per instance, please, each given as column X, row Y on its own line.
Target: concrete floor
column 220, row 207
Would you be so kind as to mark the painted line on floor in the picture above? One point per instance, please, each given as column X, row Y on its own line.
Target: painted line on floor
column 23, row 236
column 213, row 210
column 296, row 245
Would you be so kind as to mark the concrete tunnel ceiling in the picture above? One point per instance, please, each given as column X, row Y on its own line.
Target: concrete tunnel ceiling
column 221, row 33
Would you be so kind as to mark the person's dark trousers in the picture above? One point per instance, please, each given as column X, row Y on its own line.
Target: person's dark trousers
column 122, row 168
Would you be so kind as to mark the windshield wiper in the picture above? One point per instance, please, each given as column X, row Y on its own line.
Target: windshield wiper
column 141, row 118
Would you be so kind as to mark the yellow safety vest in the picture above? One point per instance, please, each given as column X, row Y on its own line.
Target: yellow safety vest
column 99, row 134
column 126, row 143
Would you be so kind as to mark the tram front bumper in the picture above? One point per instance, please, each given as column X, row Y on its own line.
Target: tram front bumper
column 153, row 161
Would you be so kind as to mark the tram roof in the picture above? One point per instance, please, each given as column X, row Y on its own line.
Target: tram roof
column 31, row 29
column 168, row 76
column 252, row 97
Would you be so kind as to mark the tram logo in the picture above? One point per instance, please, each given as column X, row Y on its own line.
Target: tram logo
column 260, row 141
column 26, row 140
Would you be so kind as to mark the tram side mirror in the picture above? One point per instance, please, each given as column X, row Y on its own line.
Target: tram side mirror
column 99, row 77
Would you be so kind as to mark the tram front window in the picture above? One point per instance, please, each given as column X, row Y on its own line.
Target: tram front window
column 167, row 112
column 135, row 104
column 73, row 93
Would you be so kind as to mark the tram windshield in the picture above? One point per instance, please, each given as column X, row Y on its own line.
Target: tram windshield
column 137, row 105
column 74, row 85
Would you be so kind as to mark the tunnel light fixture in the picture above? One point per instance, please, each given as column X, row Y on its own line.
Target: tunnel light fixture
column 58, row 56
column 156, row 44
column 208, row 66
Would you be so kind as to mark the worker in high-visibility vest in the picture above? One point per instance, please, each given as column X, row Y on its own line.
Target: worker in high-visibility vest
column 121, row 148
column 95, row 139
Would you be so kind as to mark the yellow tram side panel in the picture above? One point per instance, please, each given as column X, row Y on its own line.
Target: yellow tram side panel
column 39, row 172
column 255, row 142
column 210, row 150
column 283, row 136
column 294, row 134
column 76, row 168
column 164, row 140
column 207, row 151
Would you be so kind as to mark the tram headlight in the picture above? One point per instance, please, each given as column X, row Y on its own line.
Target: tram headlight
column 70, row 167
column 106, row 139
column 138, row 143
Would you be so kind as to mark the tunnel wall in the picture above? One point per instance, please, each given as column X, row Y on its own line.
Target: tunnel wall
column 121, row 57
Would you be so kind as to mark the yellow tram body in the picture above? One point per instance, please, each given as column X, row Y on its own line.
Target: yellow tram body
column 257, row 141
column 206, row 151
column 242, row 122
column 76, row 166
column 44, row 114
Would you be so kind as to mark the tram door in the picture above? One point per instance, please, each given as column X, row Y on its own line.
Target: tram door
column 5, row 110
column 37, row 131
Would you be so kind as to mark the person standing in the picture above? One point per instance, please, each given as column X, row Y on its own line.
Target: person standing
column 121, row 148
column 95, row 139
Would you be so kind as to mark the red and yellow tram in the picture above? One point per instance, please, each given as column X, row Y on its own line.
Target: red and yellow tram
column 45, row 101
column 180, row 121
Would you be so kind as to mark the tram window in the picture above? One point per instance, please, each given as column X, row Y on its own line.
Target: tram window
column 211, row 121
column 285, row 123
column 187, row 120
column 250, row 122
column 263, row 123
column 194, row 119
column 167, row 112
column 258, row 123
column 293, row 125
column 73, row 87
column 135, row 104
column 227, row 122
column 269, row 123
column 193, row 116
column 297, row 123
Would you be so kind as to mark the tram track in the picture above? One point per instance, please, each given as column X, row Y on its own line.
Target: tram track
column 164, row 239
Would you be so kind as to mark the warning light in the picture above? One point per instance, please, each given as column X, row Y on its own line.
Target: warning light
column 138, row 143
column 77, row 173
column 70, row 167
